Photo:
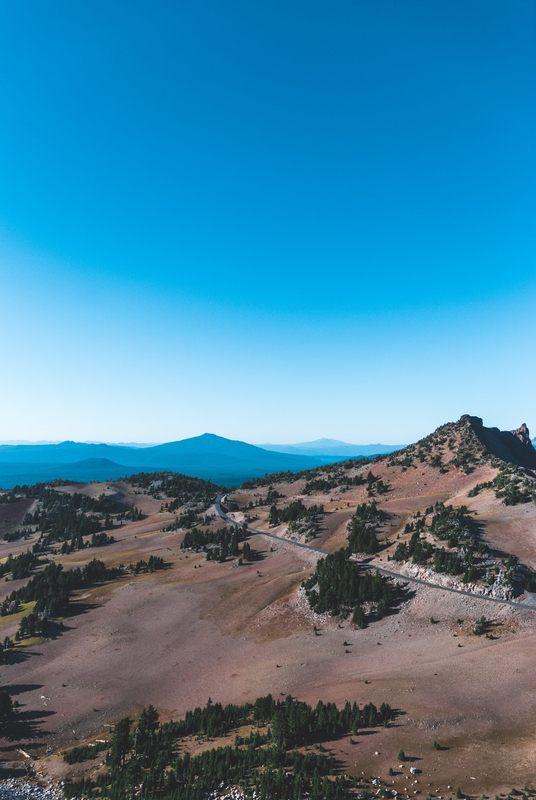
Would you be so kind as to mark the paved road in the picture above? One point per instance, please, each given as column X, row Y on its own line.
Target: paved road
column 389, row 573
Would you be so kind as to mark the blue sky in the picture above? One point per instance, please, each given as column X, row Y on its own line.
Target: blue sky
column 273, row 221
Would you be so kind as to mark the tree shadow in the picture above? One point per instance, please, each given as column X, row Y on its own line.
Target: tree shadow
column 397, row 712
column 9, row 770
column 19, row 655
column 406, row 593
column 25, row 726
column 79, row 607
column 56, row 629
column 256, row 555
column 20, row 688
column 338, row 766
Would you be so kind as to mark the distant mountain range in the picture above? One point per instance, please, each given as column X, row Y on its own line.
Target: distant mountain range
column 48, row 441
column 333, row 447
column 89, row 469
column 224, row 461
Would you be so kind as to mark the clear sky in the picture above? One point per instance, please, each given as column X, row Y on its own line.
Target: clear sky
column 274, row 221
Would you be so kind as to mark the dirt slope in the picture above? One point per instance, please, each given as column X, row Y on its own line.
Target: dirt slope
column 201, row 629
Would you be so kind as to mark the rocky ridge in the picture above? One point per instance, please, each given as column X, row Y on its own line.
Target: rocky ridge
column 468, row 443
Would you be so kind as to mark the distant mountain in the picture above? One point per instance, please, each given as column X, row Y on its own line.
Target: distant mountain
column 66, row 453
column 26, row 441
column 333, row 447
column 89, row 469
column 55, row 441
column 117, row 444
column 224, row 461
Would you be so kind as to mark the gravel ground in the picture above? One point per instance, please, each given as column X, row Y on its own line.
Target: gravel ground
column 21, row 790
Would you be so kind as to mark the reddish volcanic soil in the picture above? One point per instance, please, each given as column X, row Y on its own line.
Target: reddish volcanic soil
column 202, row 629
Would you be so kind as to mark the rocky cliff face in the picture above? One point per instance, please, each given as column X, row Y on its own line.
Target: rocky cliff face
column 467, row 443
column 512, row 446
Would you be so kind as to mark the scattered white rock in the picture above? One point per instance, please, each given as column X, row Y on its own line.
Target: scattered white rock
column 230, row 793
column 22, row 790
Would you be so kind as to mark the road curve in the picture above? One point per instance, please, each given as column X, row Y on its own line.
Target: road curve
column 389, row 573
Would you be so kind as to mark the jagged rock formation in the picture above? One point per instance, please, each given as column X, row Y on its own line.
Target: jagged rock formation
column 467, row 443
column 523, row 434
column 512, row 446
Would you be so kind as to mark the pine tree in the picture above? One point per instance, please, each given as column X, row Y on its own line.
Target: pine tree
column 280, row 730
column 359, row 618
column 120, row 743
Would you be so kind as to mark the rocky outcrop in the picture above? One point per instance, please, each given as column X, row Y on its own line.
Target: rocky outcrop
column 511, row 446
column 523, row 434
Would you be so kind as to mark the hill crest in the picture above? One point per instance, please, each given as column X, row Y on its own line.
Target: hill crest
column 471, row 443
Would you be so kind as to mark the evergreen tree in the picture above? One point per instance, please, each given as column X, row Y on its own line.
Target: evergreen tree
column 359, row 618
column 121, row 743
column 280, row 729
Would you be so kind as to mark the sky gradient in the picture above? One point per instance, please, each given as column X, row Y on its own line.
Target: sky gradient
column 272, row 221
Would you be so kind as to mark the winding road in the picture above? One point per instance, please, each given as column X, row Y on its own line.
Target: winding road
column 389, row 573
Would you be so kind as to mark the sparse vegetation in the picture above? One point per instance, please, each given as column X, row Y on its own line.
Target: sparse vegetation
column 177, row 760
column 70, row 518
column 332, row 481
column 375, row 485
column 320, row 473
column 453, row 525
column 466, row 554
column 511, row 485
column 51, row 588
column 182, row 488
